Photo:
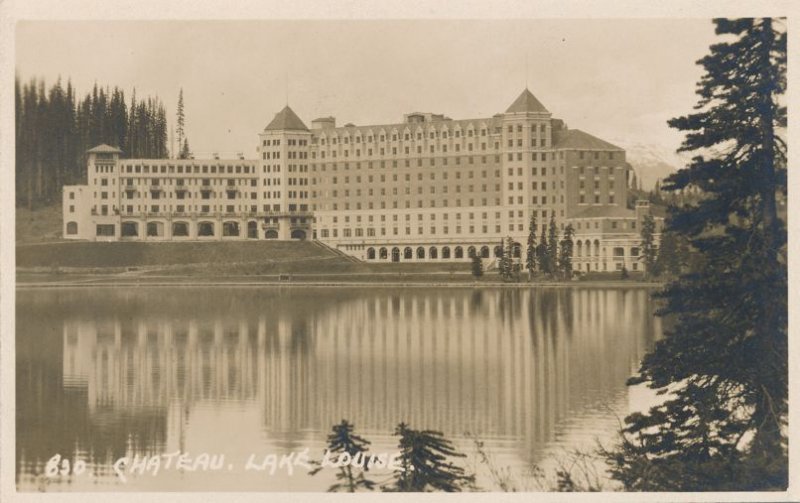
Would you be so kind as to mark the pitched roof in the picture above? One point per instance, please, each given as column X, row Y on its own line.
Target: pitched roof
column 104, row 149
column 490, row 122
column 526, row 102
column 286, row 119
column 575, row 138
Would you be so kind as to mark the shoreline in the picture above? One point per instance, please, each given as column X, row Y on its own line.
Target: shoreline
column 105, row 281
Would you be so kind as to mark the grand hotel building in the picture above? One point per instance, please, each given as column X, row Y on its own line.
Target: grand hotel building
column 427, row 189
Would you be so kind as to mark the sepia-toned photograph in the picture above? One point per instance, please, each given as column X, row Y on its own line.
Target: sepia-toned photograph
column 398, row 255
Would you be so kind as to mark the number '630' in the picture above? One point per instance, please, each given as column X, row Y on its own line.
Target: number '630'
column 56, row 466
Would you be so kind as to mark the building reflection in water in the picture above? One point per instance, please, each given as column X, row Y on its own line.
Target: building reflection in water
column 144, row 371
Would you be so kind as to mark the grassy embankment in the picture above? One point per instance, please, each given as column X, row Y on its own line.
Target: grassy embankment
column 40, row 251
column 231, row 261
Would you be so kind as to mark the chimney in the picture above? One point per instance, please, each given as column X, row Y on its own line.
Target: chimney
column 323, row 123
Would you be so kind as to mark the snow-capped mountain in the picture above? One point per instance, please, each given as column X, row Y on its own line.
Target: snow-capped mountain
column 651, row 162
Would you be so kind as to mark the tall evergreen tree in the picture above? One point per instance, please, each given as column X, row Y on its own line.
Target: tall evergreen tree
column 541, row 253
column 501, row 258
column 552, row 245
column 343, row 443
column 132, row 142
column 71, row 157
column 19, row 138
column 477, row 266
column 530, row 257
column 647, row 248
column 725, row 358
column 506, row 266
column 426, row 456
column 186, row 152
column 41, row 144
column 118, row 120
column 180, row 121
column 24, row 128
column 669, row 259
column 565, row 257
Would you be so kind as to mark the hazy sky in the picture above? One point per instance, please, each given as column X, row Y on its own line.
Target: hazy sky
column 612, row 78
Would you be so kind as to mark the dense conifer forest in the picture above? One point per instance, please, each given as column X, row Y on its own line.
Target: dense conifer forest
column 55, row 127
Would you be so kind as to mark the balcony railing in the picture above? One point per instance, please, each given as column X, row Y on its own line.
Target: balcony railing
column 288, row 213
column 190, row 214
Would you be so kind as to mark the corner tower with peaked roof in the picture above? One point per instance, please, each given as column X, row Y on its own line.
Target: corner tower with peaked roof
column 91, row 211
column 285, row 192
column 527, row 138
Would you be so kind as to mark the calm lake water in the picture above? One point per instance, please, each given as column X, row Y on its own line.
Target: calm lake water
column 105, row 373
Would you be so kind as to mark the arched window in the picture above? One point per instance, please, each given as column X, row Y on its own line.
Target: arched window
column 207, row 229
column 420, row 253
column 72, row 227
column 459, row 253
column 155, row 229
column 471, row 251
column 446, row 252
column 180, row 229
column 383, row 254
column 271, row 234
column 370, row 253
column 485, row 251
column 408, row 253
column 578, row 248
column 596, row 247
column 433, row 253
column 230, row 229
column 517, row 250
column 298, row 234
column 395, row 254
column 498, row 251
